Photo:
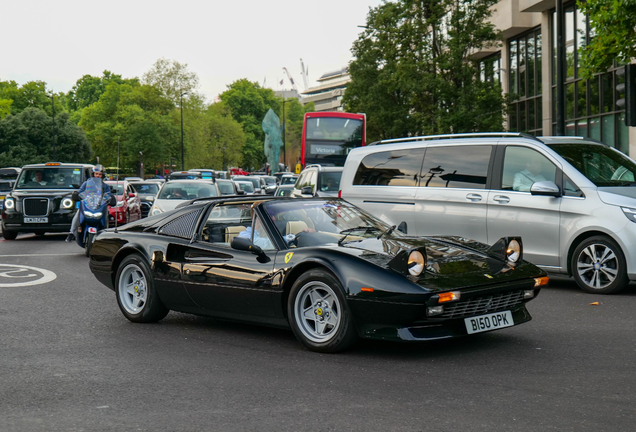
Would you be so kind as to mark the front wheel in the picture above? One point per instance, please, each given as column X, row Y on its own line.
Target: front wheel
column 89, row 243
column 318, row 313
column 9, row 235
column 136, row 294
column 598, row 266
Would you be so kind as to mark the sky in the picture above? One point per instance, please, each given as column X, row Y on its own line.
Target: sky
column 221, row 41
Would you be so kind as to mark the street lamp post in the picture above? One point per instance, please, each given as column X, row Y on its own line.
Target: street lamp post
column 182, row 152
column 284, row 133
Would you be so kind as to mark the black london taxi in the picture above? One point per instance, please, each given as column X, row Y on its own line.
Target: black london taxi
column 40, row 201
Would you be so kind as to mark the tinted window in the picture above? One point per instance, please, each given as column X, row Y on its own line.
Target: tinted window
column 571, row 189
column 146, row 188
column 523, row 167
column 456, row 167
column 187, row 191
column 50, row 178
column 330, row 181
column 390, row 168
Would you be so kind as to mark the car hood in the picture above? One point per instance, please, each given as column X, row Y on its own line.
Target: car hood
column 620, row 196
column 145, row 197
column 46, row 193
column 467, row 261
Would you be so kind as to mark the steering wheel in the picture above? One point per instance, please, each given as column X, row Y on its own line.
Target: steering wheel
column 294, row 241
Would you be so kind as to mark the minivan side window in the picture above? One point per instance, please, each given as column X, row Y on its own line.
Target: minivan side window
column 524, row 166
column 456, row 167
column 571, row 189
column 390, row 168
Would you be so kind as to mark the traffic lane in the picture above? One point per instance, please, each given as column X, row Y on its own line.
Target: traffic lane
column 75, row 362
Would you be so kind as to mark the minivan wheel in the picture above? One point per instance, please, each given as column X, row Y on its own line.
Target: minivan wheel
column 598, row 266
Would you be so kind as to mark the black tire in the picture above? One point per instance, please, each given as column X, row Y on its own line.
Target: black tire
column 9, row 235
column 598, row 266
column 327, row 334
column 142, row 293
column 89, row 243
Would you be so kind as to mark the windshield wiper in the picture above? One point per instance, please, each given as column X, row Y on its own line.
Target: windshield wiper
column 387, row 232
column 348, row 231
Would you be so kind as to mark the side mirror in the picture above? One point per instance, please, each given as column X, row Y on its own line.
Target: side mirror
column 307, row 190
column 545, row 188
column 402, row 227
column 240, row 192
column 75, row 196
column 112, row 201
column 131, row 195
column 244, row 244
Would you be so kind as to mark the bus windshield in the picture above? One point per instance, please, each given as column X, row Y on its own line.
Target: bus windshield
column 328, row 140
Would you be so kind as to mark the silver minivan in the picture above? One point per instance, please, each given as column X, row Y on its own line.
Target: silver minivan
column 571, row 199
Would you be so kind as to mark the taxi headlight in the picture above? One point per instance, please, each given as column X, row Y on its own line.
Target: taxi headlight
column 155, row 210
column 416, row 263
column 9, row 203
column 67, row 203
column 513, row 252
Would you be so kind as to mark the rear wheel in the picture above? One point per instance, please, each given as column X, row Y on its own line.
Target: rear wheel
column 598, row 266
column 136, row 294
column 9, row 235
column 318, row 313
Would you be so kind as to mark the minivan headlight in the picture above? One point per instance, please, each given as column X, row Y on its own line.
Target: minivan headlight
column 9, row 203
column 630, row 213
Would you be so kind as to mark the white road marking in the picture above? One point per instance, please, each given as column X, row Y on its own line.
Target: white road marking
column 16, row 270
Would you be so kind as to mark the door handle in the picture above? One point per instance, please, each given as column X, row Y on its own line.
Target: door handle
column 473, row 197
column 501, row 199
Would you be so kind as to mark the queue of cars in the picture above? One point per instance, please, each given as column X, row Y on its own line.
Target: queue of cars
column 434, row 240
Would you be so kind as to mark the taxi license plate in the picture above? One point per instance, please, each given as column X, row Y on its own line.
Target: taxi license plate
column 36, row 220
column 92, row 230
column 491, row 321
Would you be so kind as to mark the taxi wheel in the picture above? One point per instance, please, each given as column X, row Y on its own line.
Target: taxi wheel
column 136, row 294
column 318, row 313
column 599, row 267
column 89, row 243
column 9, row 235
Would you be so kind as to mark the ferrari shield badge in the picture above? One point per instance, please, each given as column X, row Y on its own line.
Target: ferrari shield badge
column 288, row 257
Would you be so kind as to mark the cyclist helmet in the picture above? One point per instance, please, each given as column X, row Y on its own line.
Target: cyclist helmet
column 98, row 168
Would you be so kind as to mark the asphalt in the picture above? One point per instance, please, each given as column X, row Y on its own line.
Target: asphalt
column 70, row 361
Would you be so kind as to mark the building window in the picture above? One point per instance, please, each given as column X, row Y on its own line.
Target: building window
column 525, row 83
column 590, row 105
column 490, row 69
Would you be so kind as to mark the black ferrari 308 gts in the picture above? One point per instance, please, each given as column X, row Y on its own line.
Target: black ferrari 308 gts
column 323, row 267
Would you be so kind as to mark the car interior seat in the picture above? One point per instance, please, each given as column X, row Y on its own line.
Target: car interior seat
column 294, row 227
column 233, row 231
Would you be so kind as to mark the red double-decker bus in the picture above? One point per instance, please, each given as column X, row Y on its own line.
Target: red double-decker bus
column 328, row 137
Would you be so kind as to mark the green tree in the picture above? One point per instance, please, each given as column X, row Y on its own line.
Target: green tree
column 413, row 75
column 27, row 137
column 136, row 117
column 33, row 94
column 88, row 89
column 613, row 24
column 172, row 79
column 248, row 103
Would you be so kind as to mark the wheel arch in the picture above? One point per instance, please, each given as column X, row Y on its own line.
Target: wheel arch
column 122, row 254
column 582, row 237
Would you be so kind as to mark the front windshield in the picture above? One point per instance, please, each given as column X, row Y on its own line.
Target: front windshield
column 602, row 165
column 330, row 181
column 6, row 186
column 288, row 180
column 323, row 221
column 117, row 189
column 225, row 187
column 50, row 178
column 187, row 191
column 146, row 188
column 269, row 180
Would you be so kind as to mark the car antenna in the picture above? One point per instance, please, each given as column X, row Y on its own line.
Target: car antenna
column 117, row 182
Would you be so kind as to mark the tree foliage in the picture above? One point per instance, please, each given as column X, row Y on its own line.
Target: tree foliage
column 136, row 117
column 613, row 25
column 33, row 94
column 248, row 103
column 172, row 79
column 88, row 89
column 27, row 137
column 413, row 73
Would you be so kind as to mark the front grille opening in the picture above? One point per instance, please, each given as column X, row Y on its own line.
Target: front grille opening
column 36, row 206
column 483, row 305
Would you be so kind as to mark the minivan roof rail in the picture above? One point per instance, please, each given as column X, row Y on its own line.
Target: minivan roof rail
column 314, row 166
column 456, row 136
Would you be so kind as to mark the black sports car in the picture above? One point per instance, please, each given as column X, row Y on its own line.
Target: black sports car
column 323, row 267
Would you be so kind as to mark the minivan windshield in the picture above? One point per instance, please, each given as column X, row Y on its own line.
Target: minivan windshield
column 50, row 178
column 602, row 165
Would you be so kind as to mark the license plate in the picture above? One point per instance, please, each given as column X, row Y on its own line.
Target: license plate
column 491, row 321
column 36, row 220
column 92, row 230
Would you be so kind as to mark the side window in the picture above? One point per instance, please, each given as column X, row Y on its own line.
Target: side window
column 259, row 235
column 312, row 180
column 390, row 168
column 226, row 222
column 87, row 174
column 456, row 167
column 301, row 181
column 523, row 166
column 571, row 189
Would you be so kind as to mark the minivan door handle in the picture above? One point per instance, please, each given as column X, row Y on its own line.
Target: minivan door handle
column 473, row 197
column 501, row 199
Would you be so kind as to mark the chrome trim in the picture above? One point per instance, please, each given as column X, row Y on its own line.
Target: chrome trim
column 24, row 206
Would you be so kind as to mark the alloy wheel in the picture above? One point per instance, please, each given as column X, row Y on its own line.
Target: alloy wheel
column 597, row 266
column 317, row 311
column 133, row 289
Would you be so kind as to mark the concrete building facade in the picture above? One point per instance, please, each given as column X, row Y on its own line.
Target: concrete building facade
column 327, row 95
column 525, row 66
